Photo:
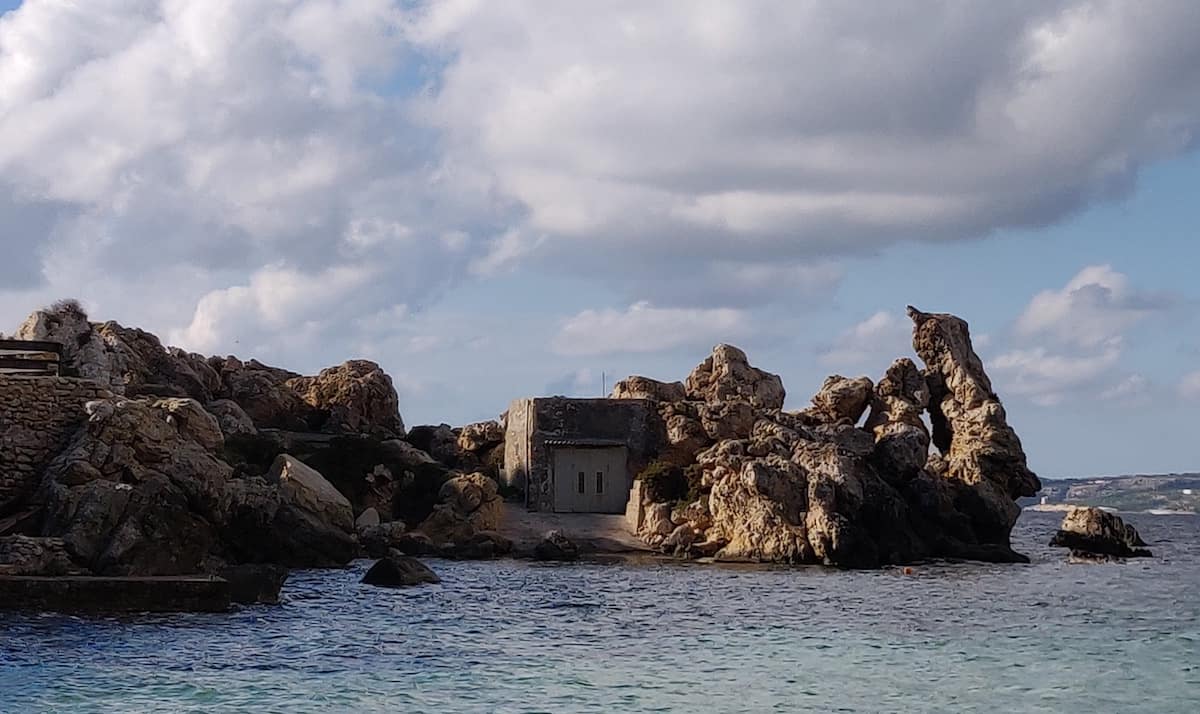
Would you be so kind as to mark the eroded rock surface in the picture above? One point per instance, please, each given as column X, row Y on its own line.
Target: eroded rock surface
column 400, row 571
column 1093, row 533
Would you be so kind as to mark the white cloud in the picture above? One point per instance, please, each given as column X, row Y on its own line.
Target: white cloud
column 1096, row 307
column 1047, row 379
column 680, row 134
column 1189, row 386
column 645, row 328
column 874, row 342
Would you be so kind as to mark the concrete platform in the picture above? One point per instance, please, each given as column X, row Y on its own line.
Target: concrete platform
column 594, row 533
column 114, row 594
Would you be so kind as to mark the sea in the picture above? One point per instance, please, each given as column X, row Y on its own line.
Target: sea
column 510, row 636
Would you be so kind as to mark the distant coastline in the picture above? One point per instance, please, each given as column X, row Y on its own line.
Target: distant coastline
column 1157, row 494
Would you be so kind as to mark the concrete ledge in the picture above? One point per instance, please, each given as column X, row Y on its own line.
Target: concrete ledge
column 114, row 594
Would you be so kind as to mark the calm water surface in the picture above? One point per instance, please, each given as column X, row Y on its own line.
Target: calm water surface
column 520, row 637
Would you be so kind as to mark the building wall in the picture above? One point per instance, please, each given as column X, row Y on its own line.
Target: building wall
column 38, row 416
column 632, row 422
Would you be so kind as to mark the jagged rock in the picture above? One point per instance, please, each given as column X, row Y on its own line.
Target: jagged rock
column 366, row 519
column 231, row 418
column 405, row 453
column 733, row 419
column 726, row 374
column 637, row 387
column 685, row 431
column 376, row 540
column 263, row 523
column 192, row 421
column 262, row 392
column 476, row 497
column 132, row 494
column 399, row 571
column 694, row 514
column 970, row 426
column 841, row 400
column 357, row 397
column 555, row 546
column 482, row 545
column 679, row 541
column 1095, row 533
column 758, row 507
column 22, row 555
column 901, row 438
column 439, row 441
column 84, row 351
column 480, row 436
column 658, row 521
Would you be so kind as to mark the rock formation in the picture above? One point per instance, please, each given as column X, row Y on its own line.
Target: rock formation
column 358, row 398
column 1096, row 534
column 816, row 486
column 399, row 571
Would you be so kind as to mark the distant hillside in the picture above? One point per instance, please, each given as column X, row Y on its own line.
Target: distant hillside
column 1168, row 492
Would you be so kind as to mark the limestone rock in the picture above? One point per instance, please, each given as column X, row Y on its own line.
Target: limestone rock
column 307, row 489
column 357, row 397
column 399, row 571
column 1093, row 532
column 480, row 436
column 468, row 504
column 637, row 387
column 263, row 394
column 679, row 541
column 902, row 440
column 555, row 546
column 439, row 441
column 132, row 494
column 726, row 374
column 264, row 524
column 231, row 418
column 366, row 519
column 192, row 421
column 842, row 400
column 84, row 351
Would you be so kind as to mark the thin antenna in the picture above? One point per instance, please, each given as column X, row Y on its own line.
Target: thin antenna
column 603, row 384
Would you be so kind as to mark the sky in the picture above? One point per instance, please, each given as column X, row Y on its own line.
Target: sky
column 497, row 200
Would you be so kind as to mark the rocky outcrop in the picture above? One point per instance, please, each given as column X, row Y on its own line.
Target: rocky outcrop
column 1096, row 534
column 231, row 418
column 554, row 546
column 356, row 397
column 480, row 436
column 23, row 555
column 399, row 571
column 726, row 374
column 823, row 486
column 263, row 394
column 192, row 422
column 636, row 387
column 439, row 441
column 469, row 505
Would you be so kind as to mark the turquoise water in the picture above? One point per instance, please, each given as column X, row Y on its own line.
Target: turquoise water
column 521, row 637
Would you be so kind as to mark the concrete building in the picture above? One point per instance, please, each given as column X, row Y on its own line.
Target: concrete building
column 579, row 455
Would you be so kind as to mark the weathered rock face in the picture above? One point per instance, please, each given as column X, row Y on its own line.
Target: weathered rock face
column 480, row 436
column 970, row 426
column 22, row 555
column 231, row 418
column 815, row 487
column 263, row 394
column 357, row 396
column 636, row 387
column 399, row 571
column 1092, row 533
column 470, row 504
column 192, row 421
column 726, row 374
column 439, row 441
column 555, row 546
column 132, row 494
column 306, row 489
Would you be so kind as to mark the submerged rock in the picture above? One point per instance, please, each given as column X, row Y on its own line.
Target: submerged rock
column 254, row 584
column 399, row 571
column 1096, row 533
column 555, row 546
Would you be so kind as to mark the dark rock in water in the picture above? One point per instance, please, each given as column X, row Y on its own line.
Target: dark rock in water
column 555, row 546
column 1092, row 533
column 480, row 546
column 253, row 584
column 399, row 571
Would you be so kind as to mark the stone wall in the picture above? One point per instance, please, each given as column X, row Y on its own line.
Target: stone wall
column 633, row 423
column 38, row 416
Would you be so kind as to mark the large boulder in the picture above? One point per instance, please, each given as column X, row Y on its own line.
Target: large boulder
column 726, row 374
column 555, row 546
column 841, row 400
column 84, row 352
column 231, row 418
column 306, row 489
column 637, row 387
column 469, row 504
column 192, row 421
column 132, row 494
column 263, row 394
column 399, row 571
column 480, row 436
column 357, row 397
column 1093, row 533
column 439, row 441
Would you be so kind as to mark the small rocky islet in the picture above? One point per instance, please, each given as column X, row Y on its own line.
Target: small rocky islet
column 152, row 461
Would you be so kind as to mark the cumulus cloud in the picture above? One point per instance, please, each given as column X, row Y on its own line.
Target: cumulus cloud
column 679, row 133
column 1189, row 386
column 1081, row 332
column 645, row 328
column 874, row 342
column 1095, row 308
